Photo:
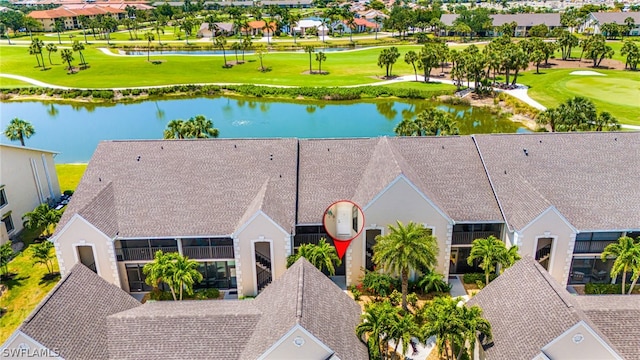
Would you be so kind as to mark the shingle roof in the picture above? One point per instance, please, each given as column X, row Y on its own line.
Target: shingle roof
column 527, row 309
column 203, row 329
column 73, row 11
column 616, row 316
column 588, row 177
column 301, row 296
column 550, row 19
column 186, row 187
column 616, row 17
column 361, row 168
column 72, row 318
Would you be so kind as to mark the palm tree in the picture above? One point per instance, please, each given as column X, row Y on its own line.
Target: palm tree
column 246, row 44
column 78, row 46
column 84, row 20
column 41, row 254
column 489, row 251
column 19, row 129
column 627, row 256
column 160, row 270
column 150, row 37
column 432, row 281
column 402, row 329
column 375, row 326
column 320, row 57
column 322, row 256
column 51, row 47
column 67, row 56
column 378, row 20
column 36, row 49
column 185, row 273
column 158, row 27
column 472, row 325
column 203, row 127
column 221, row 42
column 42, row 216
column 175, row 130
column 310, row 50
column 410, row 58
column 440, row 320
column 6, row 252
column 235, row 47
column 407, row 127
column 58, row 26
column 294, row 18
column 405, row 248
column 509, row 257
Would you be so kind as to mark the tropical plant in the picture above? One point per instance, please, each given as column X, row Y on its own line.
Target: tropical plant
column 78, row 46
column 235, row 47
column 320, row 57
column 160, row 270
column 577, row 114
column 627, row 258
column 440, row 321
column 261, row 52
column 431, row 121
column 432, row 281
column 508, row 257
column 387, row 58
column 42, row 216
column 322, row 256
column 309, row 50
column 632, row 52
column 6, row 252
column 489, row 251
column 198, row 127
column 58, row 26
column 428, row 58
column 403, row 327
column 149, row 37
column 221, row 42
column 51, row 47
column 19, row 129
column 67, row 56
column 403, row 249
column 36, row 49
column 375, row 327
column 185, row 274
column 410, row 58
column 42, row 254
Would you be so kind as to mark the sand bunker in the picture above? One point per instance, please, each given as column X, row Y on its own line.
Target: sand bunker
column 587, row 72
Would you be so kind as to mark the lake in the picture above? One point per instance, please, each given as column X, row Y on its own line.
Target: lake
column 75, row 129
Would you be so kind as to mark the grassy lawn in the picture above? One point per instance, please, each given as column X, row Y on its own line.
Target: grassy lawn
column 615, row 45
column 618, row 92
column 24, row 292
column 422, row 86
column 69, row 175
column 345, row 68
column 11, row 83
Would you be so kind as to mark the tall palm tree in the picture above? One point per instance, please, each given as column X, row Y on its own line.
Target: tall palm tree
column 322, row 256
column 160, row 270
column 627, row 256
column 19, row 129
column 175, row 129
column 403, row 249
column 203, row 127
column 489, row 251
column 41, row 254
column 472, row 325
column 78, row 46
column 407, row 127
column 58, row 26
column 150, row 37
column 67, row 56
column 158, row 27
column 403, row 328
column 42, row 216
column 51, row 47
column 310, row 50
column 185, row 273
column 36, row 49
column 245, row 45
column 509, row 257
column 320, row 57
column 440, row 321
column 84, row 21
column 293, row 19
column 221, row 42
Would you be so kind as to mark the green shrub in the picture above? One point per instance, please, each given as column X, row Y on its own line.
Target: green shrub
column 356, row 294
column 412, row 299
column 378, row 284
column 472, row 278
column 600, row 289
column 395, row 298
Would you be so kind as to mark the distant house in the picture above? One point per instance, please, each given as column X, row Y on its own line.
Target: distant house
column 524, row 22
column 245, row 3
column 302, row 315
column 258, row 28
column 223, row 29
column 303, row 27
column 371, row 14
column 596, row 19
column 28, row 179
column 533, row 317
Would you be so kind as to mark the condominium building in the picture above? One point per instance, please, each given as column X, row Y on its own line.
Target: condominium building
column 241, row 206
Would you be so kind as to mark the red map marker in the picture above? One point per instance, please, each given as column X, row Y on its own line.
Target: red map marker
column 343, row 221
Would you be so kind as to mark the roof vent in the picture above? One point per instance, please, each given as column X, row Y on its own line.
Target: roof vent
column 443, row 146
column 100, row 179
column 138, row 158
column 540, row 141
column 615, row 139
column 161, row 147
column 526, row 152
column 505, row 172
column 235, row 146
column 280, row 176
column 327, row 149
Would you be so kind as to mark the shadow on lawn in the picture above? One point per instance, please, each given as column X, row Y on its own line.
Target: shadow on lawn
column 12, row 280
column 50, row 278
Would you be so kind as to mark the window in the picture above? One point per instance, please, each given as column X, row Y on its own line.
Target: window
column 8, row 223
column 3, row 198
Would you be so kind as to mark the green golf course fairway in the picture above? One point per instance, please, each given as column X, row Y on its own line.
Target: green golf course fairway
column 618, row 92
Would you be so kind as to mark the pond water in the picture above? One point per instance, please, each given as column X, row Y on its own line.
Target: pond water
column 75, row 129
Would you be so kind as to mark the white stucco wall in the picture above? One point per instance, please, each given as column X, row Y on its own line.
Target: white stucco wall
column 79, row 232
column 25, row 182
column 260, row 228
column 550, row 224
column 402, row 202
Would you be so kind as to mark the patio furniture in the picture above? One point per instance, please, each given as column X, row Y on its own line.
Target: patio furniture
column 599, row 275
column 577, row 276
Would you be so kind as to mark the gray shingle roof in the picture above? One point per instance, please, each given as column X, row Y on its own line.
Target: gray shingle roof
column 616, row 17
column 72, row 318
column 305, row 296
column 551, row 19
column 588, row 177
column 616, row 316
column 527, row 309
column 360, row 168
column 203, row 329
column 186, row 187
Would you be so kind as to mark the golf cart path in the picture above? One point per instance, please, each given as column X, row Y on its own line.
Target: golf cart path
column 519, row 93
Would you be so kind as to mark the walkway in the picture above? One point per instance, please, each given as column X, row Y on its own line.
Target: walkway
column 423, row 350
column 457, row 289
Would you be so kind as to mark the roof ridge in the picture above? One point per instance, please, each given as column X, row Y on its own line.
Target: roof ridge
column 553, row 284
column 299, row 295
column 51, row 294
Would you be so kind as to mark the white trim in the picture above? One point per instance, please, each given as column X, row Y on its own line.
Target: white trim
column 174, row 237
column 583, row 324
column 74, row 246
column 288, row 334
column 37, row 343
column 29, row 148
column 396, row 180
column 253, row 261
column 550, row 208
column 258, row 213
column 554, row 245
